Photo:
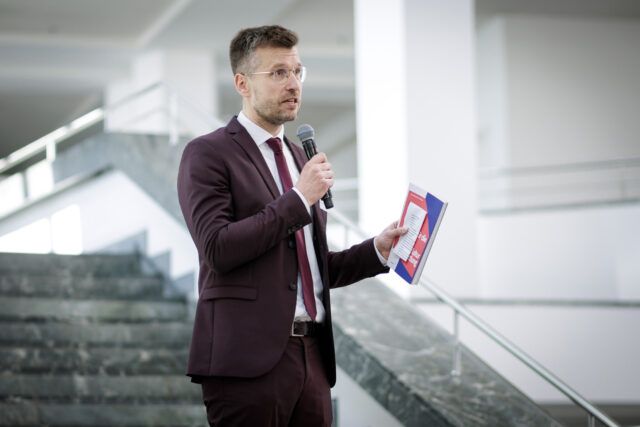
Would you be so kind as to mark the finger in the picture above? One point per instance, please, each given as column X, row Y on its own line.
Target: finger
column 399, row 231
column 321, row 157
column 392, row 226
column 325, row 166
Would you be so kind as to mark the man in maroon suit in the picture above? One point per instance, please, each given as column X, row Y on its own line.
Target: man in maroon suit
column 262, row 345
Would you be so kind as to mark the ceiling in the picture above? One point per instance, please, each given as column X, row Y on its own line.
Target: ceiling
column 56, row 57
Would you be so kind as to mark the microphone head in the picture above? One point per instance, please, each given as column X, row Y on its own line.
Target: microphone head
column 305, row 132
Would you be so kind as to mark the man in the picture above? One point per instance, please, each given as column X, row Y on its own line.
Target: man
column 262, row 345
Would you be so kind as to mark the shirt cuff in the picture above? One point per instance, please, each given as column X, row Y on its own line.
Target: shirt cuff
column 304, row 199
column 380, row 257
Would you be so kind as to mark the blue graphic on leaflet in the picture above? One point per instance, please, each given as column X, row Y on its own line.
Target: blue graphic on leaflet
column 434, row 207
column 402, row 272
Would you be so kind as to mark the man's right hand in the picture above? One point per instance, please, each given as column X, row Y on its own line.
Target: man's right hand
column 316, row 178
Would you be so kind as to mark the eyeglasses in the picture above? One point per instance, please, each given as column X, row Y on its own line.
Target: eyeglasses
column 282, row 75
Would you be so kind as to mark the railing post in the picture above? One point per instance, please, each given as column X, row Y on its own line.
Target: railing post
column 591, row 421
column 173, row 118
column 457, row 356
column 51, row 150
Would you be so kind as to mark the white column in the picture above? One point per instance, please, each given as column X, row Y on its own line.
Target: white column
column 415, row 104
column 381, row 116
column 185, row 94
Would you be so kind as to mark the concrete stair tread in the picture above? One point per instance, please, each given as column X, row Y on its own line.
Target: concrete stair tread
column 33, row 308
column 55, row 334
column 92, row 361
column 65, row 286
column 27, row 414
column 105, row 265
column 92, row 340
column 98, row 388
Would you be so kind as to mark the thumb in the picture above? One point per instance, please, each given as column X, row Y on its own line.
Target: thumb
column 399, row 231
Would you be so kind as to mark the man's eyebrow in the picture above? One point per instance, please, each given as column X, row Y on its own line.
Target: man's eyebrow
column 283, row 65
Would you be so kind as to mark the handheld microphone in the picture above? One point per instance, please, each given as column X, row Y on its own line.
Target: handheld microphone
column 306, row 134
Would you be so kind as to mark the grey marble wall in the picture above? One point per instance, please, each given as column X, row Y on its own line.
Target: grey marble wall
column 149, row 161
column 405, row 361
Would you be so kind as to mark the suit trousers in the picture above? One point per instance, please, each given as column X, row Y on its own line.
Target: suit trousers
column 294, row 393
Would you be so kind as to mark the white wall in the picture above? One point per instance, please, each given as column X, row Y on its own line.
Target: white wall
column 594, row 350
column 571, row 88
column 111, row 208
column 356, row 408
column 582, row 253
column 416, row 122
column 492, row 108
column 188, row 74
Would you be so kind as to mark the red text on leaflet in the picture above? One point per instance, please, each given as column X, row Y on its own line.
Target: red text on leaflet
column 423, row 236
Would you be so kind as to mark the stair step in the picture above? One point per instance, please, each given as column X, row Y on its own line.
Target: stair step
column 25, row 308
column 99, row 388
column 91, row 341
column 134, row 287
column 137, row 335
column 28, row 414
column 104, row 265
column 130, row 361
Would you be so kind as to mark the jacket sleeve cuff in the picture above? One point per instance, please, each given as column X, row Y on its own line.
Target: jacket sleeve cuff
column 382, row 259
column 304, row 199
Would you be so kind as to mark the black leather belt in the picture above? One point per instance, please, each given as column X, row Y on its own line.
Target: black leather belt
column 305, row 329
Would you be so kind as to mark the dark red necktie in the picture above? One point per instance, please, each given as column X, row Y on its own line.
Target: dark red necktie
column 301, row 248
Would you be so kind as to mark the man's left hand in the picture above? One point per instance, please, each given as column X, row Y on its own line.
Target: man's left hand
column 384, row 240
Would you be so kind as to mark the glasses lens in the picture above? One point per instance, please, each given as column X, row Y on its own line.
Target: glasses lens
column 280, row 75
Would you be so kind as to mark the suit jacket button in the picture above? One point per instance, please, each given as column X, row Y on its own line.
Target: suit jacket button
column 293, row 286
column 292, row 243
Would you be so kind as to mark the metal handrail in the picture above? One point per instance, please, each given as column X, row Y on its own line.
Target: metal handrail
column 50, row 141
column 502, row 341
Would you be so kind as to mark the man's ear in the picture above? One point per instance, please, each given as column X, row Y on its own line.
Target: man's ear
column 242, row 84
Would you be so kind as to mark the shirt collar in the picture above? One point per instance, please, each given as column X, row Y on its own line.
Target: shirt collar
column 258, row 134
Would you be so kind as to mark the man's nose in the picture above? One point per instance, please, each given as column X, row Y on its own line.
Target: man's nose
column 293, row 82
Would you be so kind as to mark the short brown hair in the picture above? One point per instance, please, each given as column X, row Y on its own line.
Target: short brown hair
column 248, row 40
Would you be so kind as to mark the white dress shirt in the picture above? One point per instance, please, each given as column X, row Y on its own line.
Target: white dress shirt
column 260, row 136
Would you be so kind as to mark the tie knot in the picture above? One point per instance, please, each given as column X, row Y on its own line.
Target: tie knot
column 275, row 144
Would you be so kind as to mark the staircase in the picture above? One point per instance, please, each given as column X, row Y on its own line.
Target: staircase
column 90, row 340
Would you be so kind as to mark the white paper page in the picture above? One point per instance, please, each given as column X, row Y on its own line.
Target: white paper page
column 413, row 220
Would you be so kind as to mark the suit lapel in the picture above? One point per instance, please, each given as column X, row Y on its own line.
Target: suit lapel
column 242, row 137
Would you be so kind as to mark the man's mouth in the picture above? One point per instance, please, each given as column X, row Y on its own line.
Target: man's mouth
column 291, row 101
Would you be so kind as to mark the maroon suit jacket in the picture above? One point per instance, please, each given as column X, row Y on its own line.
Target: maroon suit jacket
column 243, row 229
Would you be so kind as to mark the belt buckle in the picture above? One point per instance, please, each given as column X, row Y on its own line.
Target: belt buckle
column 293, row 330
